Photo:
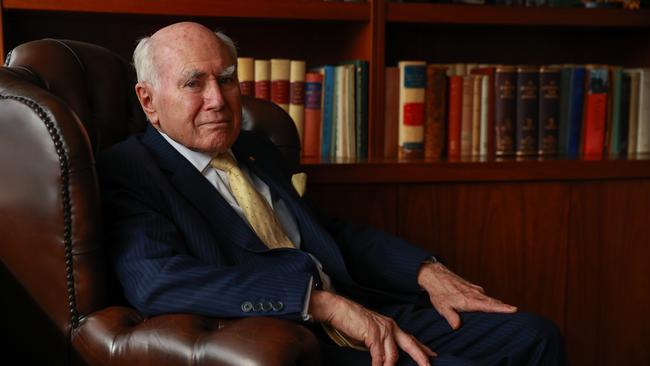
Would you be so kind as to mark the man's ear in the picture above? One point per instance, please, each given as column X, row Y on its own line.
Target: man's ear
column 145, row 96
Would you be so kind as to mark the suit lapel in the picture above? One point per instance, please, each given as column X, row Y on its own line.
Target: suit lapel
column 190, row 183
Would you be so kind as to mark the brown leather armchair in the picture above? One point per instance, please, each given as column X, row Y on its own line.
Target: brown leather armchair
column 60, row 103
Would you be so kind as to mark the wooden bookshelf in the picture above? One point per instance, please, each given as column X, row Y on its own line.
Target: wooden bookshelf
column 568, row 239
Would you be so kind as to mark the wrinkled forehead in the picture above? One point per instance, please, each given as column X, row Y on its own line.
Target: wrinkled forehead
column 172, row 55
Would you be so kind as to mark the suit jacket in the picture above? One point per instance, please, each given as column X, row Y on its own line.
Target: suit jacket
column 178, row 247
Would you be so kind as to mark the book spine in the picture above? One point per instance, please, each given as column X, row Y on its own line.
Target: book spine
column 484, row 142
column 564, row 112
column 549, row 110
column 391, row 115
column 505, row 83
column 434, row 111
column 246, row 75
column 313, row 97
column 297, row 95
column 593, row 137
column 614, row 130
column 634, row 112
column 328, row 111
column 361, row 101
column 624, row 106
column 527, row 110
column 576, row 107
column 411, row 111
column 455, row 115
column 280, row 69
column 643, row 134
column 262, row 79
column 476, row 115
column 466, row 116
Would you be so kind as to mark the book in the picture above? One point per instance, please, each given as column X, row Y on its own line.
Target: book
column 246, row 75
column 313, row 114
column 391, row 114
column 327, row 122
column 576, row 106
column 595, row 112
column 643, row 133
column 280, row 69
column 262, row 79
column 505, row 84
column 361, row 106
column 411, row 108
column 466, row 116
column 476, row 114
column 549, row 109
column 633, row 121
column 455, row 115
column 297, row 94
column 564, row 111
column 435, row 98
column 527, row 110
column 487, row 131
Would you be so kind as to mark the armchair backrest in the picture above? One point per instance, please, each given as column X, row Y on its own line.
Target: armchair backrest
column 60, row 103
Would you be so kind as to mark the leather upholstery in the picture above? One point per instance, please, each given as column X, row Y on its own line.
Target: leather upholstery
column 60, row 103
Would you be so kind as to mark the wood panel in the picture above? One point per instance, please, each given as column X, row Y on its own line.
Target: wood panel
column 374, row 205
column 608, row 286
column 509, row 237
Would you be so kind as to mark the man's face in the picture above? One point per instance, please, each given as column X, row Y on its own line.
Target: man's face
column 197, row 101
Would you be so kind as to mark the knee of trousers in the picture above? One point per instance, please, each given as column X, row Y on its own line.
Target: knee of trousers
column 537, row 327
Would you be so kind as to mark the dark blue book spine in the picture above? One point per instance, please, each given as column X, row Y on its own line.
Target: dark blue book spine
column 564, row 114
column 328, row 95
column 549, row 107
column 527, row 110
column 575, row 114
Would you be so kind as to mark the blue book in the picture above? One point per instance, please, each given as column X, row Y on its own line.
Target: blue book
column 565, row 100
column 576, row 104
column 328, row 104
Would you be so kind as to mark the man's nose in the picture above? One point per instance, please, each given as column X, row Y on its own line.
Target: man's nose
column 213, row 96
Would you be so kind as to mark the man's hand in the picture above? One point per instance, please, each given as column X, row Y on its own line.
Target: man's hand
column 380, row 334
column 450, row 294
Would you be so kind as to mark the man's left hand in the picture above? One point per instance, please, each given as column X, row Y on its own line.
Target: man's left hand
column 451, row 294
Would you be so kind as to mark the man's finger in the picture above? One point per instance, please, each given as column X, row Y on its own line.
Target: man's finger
column 488, row 304
column 390, row 351
column 450, row 315
column 413, row 347
column 377, row 353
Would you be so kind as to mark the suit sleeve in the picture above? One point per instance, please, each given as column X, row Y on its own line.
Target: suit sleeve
column 375, row 258
column 158, row 273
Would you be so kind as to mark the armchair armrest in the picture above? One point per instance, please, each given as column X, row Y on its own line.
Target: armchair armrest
column 122, row 336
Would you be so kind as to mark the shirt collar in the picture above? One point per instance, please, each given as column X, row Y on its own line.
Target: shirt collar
column 200, row 160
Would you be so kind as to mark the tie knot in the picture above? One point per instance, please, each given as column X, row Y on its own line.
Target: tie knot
column 223, row 162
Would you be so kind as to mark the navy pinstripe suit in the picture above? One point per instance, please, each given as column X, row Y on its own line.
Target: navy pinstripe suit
column 177, row 246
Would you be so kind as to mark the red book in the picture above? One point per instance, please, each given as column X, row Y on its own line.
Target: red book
column 311, row 135
column 455, row 115
column 595, row 115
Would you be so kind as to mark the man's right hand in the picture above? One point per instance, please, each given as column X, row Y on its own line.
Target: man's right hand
column 380, row 334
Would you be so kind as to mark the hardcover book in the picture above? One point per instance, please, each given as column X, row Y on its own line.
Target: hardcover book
column 505, row 84
column 411, row 108
column 549, row 109
column 527, row 110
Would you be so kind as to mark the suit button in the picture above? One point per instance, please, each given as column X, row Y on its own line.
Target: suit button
column 259, row 307
column 279, row 305
column 247, row 306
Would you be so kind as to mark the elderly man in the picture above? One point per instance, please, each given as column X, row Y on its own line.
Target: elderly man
column 202, row 218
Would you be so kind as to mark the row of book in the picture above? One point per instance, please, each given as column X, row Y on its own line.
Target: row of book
column 626, row 4
column 498, row 110
column 328, row 104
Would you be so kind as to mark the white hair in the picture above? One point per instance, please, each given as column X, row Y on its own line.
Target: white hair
column 143, row 58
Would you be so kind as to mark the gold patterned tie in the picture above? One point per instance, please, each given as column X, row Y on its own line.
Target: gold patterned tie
column 261, row 218
column 257, row 211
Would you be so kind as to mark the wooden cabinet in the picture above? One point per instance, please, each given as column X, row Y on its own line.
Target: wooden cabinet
column 569, row 239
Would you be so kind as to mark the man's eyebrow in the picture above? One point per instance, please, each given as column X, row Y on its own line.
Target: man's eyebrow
column 193, row 74
column 228, row 72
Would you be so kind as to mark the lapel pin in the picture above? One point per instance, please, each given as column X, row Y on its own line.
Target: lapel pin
column 251, row 158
